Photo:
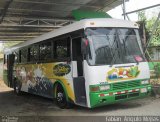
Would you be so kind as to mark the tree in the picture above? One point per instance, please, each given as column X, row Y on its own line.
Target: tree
column 149, row 24
column 156, row 35
column 142, row 16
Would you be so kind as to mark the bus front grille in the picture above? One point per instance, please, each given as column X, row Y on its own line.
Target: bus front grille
column 125, row 96
column 120, row 97
column 123, row 85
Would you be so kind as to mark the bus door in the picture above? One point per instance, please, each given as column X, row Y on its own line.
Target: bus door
column 77, row 72
column 10, row 64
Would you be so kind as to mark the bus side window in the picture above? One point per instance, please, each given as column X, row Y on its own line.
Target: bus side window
column 34, row 53
column 19, row 56
column 29, row 55
column 23, row 55
column 45, row 51
column 62, row 49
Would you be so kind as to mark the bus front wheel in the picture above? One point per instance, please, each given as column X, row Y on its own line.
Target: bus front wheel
column 61, row 97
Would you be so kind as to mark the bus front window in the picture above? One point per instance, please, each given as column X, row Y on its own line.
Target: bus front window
column 114, row 46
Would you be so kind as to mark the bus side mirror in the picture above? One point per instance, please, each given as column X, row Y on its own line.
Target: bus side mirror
column 84, row 46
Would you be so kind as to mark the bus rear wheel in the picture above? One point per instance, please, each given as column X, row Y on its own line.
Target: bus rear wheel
column 17, row 87
column 61, row 97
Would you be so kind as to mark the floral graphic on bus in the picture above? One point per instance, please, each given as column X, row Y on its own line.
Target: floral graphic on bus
column 123, row 73
column 61, row 69
column 41, row 84
column 34, row 80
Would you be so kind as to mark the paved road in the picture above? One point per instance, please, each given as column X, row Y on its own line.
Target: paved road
column 30, row 105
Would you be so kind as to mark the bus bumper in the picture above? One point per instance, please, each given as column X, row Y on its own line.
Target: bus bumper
column 110, row 97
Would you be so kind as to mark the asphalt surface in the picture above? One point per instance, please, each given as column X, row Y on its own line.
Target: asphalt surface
column 31, row 105
column 28, row 108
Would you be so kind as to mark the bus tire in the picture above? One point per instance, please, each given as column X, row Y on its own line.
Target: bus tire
column 17, row 87
column 61, row 99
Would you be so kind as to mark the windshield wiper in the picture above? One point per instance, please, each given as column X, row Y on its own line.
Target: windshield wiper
column 115, row 53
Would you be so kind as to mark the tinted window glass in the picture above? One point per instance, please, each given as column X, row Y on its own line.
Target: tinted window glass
column 62, row 48
column 46, row 51
column 24, row 53
column 34, row 53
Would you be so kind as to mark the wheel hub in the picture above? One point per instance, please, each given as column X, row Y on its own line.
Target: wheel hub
column 60, row 96
column 17, row 89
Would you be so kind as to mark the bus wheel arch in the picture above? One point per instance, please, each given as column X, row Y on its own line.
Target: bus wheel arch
column 60, row 95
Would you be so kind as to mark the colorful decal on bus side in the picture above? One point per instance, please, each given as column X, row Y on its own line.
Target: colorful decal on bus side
column 34, row 81
column 39, row 78
column 123, row 73
column 61, row 69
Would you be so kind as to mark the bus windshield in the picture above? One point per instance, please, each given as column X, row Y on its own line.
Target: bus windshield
column 110, row 46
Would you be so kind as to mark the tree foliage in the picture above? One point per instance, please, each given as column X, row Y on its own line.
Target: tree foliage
column 149, row 25
column 7, row 45
column 156, row 35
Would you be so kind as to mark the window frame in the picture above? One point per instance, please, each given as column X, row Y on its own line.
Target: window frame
column 51, row 47
column 67, row 36
column 68, row 39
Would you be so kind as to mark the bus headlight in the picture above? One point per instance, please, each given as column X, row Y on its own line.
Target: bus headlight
column 145, row 82
column 104, row 87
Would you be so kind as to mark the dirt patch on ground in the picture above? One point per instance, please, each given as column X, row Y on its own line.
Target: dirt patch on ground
column 3, row 86
column 1, row 83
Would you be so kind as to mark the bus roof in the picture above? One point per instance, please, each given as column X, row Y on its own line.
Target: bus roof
column 82, row 24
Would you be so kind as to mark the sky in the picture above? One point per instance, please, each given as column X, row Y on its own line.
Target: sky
column 134, row 5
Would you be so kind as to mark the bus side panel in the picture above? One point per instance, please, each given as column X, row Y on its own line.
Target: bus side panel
column 40, row 78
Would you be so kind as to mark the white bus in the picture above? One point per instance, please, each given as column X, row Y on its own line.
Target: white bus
column 91, row 63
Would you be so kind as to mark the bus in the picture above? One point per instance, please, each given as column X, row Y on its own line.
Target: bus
column 90, row 63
